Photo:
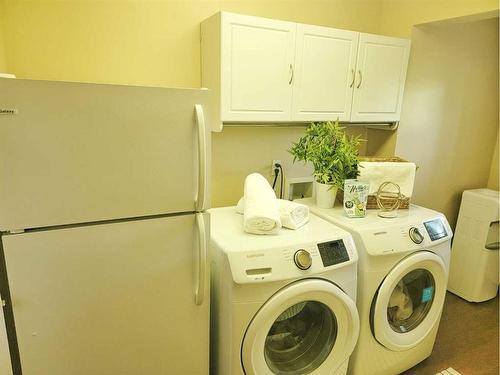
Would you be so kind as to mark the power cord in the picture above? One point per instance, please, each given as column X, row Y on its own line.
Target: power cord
column 278, row 170
column 276, row 173
column 281, row 181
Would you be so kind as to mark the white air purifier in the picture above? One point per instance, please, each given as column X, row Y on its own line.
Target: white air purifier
column 474, row 273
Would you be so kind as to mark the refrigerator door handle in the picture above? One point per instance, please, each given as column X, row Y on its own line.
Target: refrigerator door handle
column 199, row 295
column 202, row 158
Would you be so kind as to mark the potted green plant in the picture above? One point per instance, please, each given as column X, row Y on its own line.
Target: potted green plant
column 334, row 156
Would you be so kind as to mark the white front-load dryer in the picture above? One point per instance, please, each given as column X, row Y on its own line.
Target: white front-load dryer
column 402, row 280
column 281, row 304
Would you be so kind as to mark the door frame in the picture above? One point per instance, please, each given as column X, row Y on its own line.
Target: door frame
column 320, row 290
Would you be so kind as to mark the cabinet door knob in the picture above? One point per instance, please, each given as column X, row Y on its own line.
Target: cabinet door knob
column 360, row 79
column 353, row 72
column 291, row 75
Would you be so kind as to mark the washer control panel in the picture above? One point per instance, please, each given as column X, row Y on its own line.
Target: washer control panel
column 290, row 262
column 333, row 252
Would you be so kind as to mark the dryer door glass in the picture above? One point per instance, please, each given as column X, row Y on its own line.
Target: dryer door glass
column 301, row 338
column 411, row 300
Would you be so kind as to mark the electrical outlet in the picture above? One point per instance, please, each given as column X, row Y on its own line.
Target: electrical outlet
column 273, row 166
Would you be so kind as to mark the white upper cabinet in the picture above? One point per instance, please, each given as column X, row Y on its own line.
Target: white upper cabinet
column 256, row 66
column 325, row 62
column 380, row 78
column 264, row 70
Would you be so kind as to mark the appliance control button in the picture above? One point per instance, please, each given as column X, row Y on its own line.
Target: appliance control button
column 302, row 259
column 415, row 235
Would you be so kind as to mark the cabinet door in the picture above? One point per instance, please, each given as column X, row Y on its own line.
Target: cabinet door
column 324, row 73
column 380, row 78
column 257, row 63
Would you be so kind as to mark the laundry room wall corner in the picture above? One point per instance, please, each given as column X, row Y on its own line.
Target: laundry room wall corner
column 449, row 122
column 399, row 16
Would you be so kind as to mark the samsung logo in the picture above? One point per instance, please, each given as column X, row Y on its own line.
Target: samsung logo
column 8, row 111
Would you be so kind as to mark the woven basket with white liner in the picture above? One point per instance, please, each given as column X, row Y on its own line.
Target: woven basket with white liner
column 373, row 170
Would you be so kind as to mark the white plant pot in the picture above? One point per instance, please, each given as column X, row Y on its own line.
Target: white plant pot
column 325, row 194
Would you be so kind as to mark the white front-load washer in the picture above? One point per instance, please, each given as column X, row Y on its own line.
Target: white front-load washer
column 284, row 303
column 402, row 279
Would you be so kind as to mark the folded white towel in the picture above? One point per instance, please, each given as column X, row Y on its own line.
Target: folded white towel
column 292, row 215
column 377, row 173
column 261, row 215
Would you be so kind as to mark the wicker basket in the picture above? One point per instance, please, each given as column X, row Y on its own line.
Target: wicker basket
column 391, row 159
column 371, row 204
column 404, row 203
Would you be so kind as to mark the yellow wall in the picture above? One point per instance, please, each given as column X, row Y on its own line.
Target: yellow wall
column 3, row 61
column 142, row 42
column 157, row 43
column 449, row 124
column 238, row 151
column 399, row 16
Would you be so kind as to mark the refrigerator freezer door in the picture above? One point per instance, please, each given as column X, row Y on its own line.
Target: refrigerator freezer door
column 76, row 152
column 111, row 298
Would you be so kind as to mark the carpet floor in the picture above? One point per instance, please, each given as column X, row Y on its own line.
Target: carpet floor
column 467, row 339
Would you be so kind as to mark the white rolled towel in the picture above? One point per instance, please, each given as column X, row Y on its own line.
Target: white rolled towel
column 261, row 215
column 292, row 215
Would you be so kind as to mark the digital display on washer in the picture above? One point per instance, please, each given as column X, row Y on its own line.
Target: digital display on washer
column 333, row 252
column 436, row 229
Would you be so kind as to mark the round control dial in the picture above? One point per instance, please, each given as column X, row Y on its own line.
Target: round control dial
column 416, row 236
column 302, row 259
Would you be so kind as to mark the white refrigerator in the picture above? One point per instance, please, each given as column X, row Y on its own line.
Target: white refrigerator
column 103, row 258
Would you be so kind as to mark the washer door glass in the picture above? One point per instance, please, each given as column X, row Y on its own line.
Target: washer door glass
column 301, row 338
column 411, row 300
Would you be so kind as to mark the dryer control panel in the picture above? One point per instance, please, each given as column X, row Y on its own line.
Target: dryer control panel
column 413, row 229
column 404, row 237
